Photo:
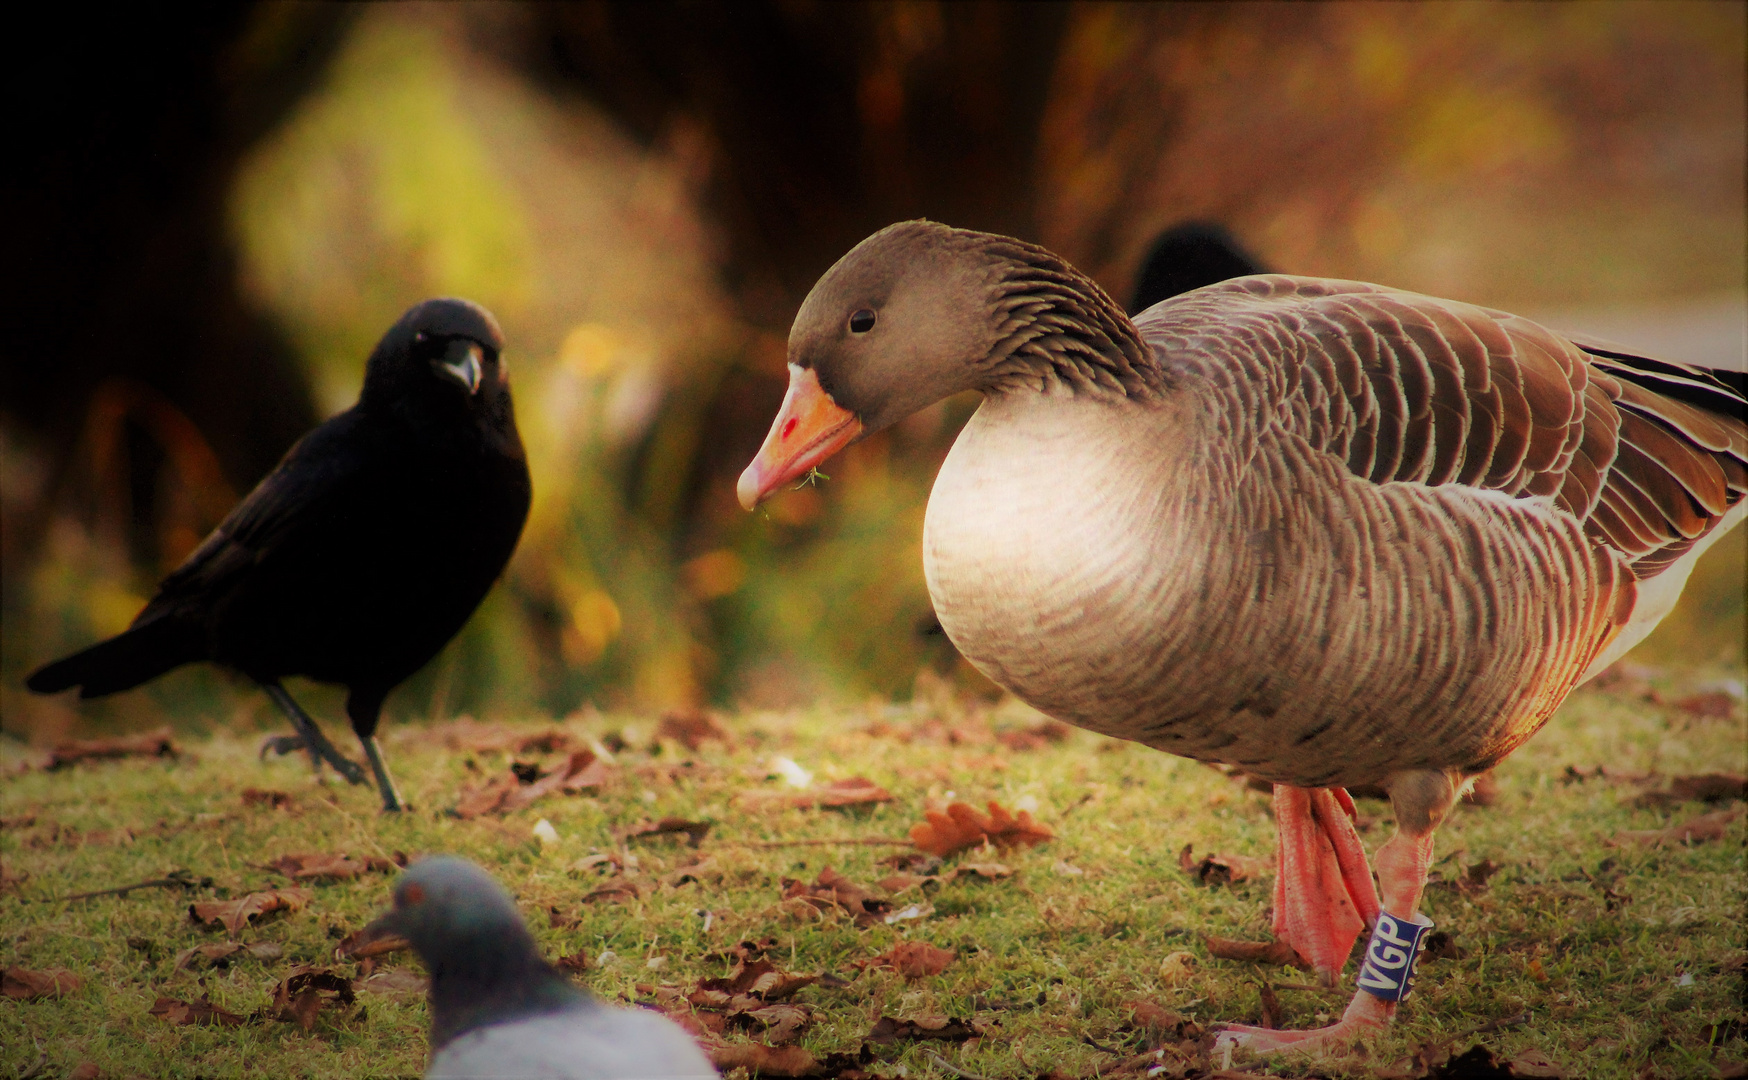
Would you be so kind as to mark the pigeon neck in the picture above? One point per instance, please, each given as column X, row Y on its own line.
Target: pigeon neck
column 494, row 989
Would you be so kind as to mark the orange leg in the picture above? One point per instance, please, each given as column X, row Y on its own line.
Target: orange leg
column 1421, row 799
column 1323, row 887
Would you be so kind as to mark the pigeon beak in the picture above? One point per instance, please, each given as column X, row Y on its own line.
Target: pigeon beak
column 809, row 428
column 461, row 363
column 380, row 937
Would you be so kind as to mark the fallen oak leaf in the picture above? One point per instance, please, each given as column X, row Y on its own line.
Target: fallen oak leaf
column 581, row 771
column 615, row 891
column 233, row 915
column 1695, row 830
column 1214, row 869
column 152, row 744
column 960, row 827
column 1275, row 953
column 201, row 1011
column 23, row 984
column 1034, row 738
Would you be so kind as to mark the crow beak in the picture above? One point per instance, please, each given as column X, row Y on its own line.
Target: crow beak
column 809, row 428
column 380, row 937
column 461, row 363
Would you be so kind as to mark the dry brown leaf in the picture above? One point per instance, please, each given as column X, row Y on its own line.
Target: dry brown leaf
column 220, row 954
column 1269, row 1006
column 1471, row 882
column 833, row 890
column 1693, row 831
column 758, row 977
column 960, row 827
column 1707, row 787
column 1036, row 737
column 762, row 1060
column 302, row 994
column 916, row 959
column 152, row 744
column 576, row 963
column 855, row 791
column 395, row 982
column 1276, row 953
column 1161, row 1022
column 897, row 883
column 1715, row 705
column 614, row 891
column 581, row 771
column 24, row 984
column 273, row 800
column 890, row 1029
column 201, row 1011
column 233, row 915
column 692, row 728
column 694, row 831
column 338, row 867
column 1223, row 869
column 86, row 1070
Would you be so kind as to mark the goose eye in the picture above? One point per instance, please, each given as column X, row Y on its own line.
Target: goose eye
column 862, row 321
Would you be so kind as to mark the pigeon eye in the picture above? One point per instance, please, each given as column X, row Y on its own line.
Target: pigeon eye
column 862, row 321
column 411, row 895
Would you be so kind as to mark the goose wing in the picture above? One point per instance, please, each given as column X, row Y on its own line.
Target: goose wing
column 1650, row 455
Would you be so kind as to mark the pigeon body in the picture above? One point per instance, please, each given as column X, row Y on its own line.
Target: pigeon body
column 497, row 1008
column 363, row 552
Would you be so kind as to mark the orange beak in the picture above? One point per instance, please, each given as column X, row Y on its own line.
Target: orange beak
column 809, row 428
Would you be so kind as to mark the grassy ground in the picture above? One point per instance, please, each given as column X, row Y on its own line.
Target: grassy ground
column 1628, row 960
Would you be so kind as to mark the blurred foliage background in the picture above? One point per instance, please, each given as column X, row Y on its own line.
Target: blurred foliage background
column 223, row 208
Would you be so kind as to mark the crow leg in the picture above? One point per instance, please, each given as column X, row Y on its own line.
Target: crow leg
column 318, row 745
column 391, row 796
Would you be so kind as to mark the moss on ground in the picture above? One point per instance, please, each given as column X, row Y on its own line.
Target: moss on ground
column 1627, row 960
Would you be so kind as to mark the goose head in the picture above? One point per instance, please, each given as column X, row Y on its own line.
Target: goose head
column 921, row 311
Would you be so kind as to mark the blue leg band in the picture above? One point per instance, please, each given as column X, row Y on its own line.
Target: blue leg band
column 1391, row 956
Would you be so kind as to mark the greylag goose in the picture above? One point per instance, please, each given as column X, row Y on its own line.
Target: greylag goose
column 497, row 1008
column 1327, row 532
column 361, row 554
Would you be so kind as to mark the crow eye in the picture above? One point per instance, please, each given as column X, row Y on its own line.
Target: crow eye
column 862, row 321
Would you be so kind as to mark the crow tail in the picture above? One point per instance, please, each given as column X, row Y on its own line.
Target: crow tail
column 124, row 661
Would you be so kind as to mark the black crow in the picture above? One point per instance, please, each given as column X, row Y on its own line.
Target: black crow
column 361, row 554
column 1188, row 256
column 497, row 1008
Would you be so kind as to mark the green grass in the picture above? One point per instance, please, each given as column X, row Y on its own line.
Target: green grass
column 1611, row 1000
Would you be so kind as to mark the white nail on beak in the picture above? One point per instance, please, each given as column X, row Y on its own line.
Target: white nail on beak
column 464, row 369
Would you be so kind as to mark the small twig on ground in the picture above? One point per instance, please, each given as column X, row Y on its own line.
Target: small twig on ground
column 357, row 828
column 950, row 1067
column 1088, row 1039
column 1514, row 1020
column 872, row 841
column 180, row 879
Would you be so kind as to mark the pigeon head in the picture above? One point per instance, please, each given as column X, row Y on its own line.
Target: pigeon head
column 442, row 358
column 484, row 966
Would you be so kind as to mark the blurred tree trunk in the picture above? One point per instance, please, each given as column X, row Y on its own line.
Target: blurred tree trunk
column 123, row 286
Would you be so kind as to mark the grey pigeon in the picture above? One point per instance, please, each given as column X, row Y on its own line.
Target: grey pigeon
column 497, row 1008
